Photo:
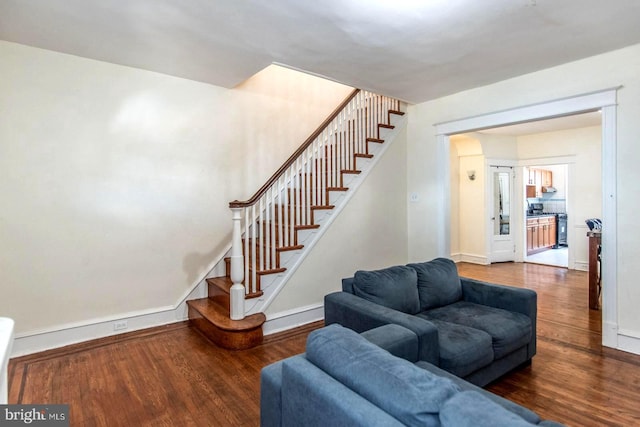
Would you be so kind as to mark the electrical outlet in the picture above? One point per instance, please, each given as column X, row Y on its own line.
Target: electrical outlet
column 413, row 197
column 119, row 325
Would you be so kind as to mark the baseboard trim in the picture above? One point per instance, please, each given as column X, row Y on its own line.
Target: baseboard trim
column 472, row 259
column 63, row 335
column 628, row 341
column 289, row 319
column 73, row 333
column 581, row 265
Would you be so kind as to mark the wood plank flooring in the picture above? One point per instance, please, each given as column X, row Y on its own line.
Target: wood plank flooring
column 572, row 379
column 173, row 376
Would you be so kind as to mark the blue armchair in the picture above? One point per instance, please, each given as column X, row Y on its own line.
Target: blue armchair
column 475, row 330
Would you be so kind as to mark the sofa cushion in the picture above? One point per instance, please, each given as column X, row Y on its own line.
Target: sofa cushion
column 310, row 397
column 438, row 283
column 472, row 409
column 463, row 350
column 464, row 385
column 394, row 287
column 508, row 330
column 410, row 394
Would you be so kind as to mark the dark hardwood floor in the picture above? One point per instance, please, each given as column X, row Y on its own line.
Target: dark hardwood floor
column 172, row 376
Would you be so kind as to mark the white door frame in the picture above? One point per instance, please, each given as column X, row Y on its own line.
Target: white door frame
column 606, row 102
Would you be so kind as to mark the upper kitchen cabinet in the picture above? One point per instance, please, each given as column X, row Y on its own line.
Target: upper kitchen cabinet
column 539, row 181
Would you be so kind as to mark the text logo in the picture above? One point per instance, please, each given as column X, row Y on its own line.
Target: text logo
column 34, row 415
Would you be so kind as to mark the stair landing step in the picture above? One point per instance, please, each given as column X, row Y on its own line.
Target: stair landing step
column 213, row 321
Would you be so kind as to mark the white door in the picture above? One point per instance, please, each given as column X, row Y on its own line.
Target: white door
column 501, row 183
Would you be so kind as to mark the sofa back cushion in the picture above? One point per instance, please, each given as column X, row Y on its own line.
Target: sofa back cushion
column 438, row 283
column 311, row 398
column 410, row 394
column 394, row 287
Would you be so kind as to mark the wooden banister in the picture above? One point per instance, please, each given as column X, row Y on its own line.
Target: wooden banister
column 294, row 156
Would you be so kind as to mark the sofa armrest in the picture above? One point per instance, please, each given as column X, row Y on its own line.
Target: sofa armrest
column 518, row 300
column 396, row 339
column 361, row 315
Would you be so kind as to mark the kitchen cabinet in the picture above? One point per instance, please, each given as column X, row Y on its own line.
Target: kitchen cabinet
column 553, row 235
column 532, row 177
column 531, row 191
column 537, row 179
column 541, row 233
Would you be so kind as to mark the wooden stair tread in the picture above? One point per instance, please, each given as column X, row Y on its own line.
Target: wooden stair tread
column 219, row 317
column 289, row 248
column 272, row 271
column 320, row 207
column 337, row 188
column 386, row 126
column 370, row 139
column 223, row 283
column 399, row 113
column 353, row 171
column 364, row 155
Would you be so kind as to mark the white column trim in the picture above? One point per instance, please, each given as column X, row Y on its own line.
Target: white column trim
column 444, row 184
column 610, row 229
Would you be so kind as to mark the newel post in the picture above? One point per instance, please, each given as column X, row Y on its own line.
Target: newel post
column 237, row 268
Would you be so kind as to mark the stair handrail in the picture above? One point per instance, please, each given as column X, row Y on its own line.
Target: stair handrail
column 251, row 201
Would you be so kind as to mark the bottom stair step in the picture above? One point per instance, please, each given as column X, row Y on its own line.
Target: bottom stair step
column 213, row 321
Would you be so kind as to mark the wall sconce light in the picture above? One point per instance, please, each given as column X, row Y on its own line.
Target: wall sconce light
column 471, row 174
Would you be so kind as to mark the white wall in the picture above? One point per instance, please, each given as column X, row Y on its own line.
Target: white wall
column 605, row 71
column 472, row 203
column 498, row 146
column 116, row 181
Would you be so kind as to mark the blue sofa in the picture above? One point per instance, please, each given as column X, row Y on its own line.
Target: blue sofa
column 351, row 379
column 478, row 331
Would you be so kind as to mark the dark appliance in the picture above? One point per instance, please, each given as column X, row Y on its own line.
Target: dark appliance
column 561, row 229
column 536, row 209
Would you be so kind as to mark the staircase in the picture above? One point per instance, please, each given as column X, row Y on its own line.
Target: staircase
column 274, row 229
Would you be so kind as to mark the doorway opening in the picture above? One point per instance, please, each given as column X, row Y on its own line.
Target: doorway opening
column 605, row 101
column 547, row 215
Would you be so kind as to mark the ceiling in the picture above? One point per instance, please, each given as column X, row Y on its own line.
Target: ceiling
column 414, row 50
